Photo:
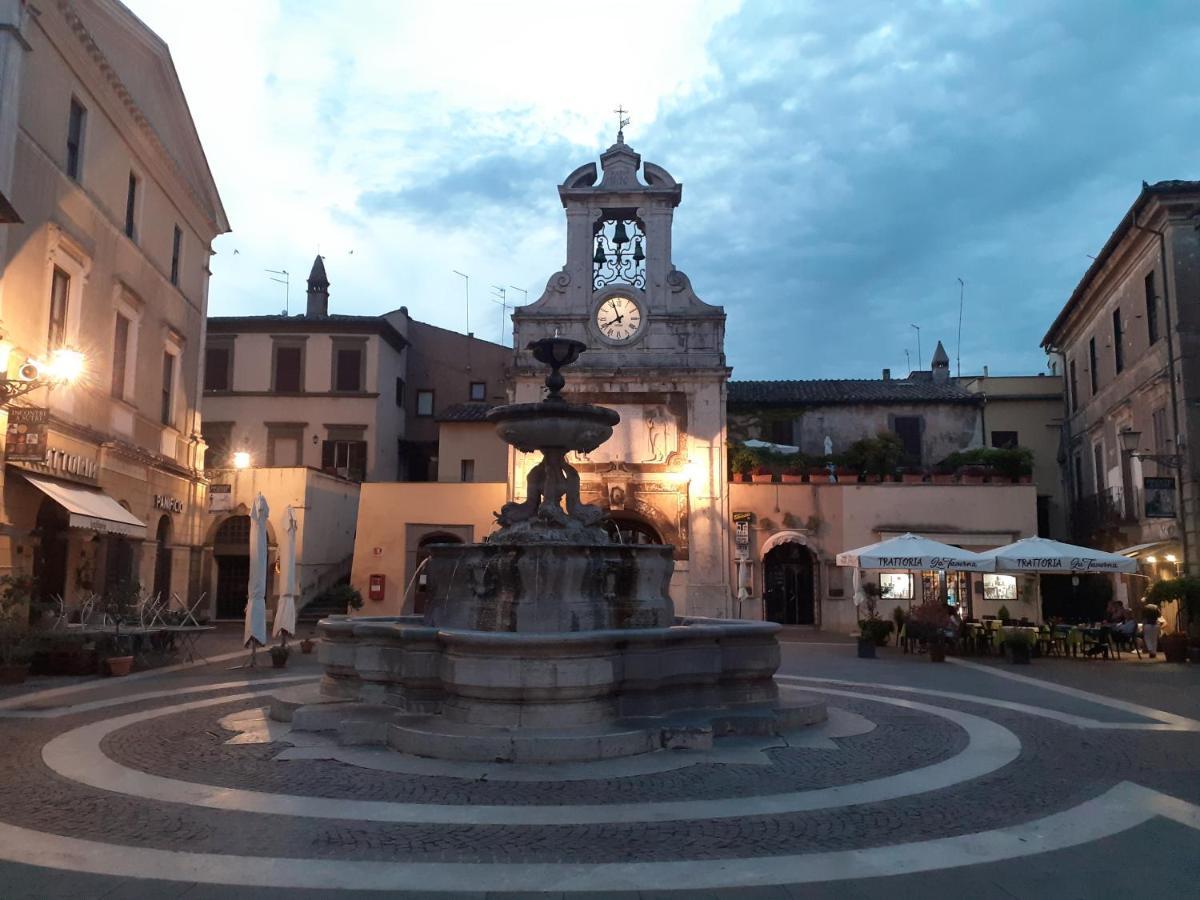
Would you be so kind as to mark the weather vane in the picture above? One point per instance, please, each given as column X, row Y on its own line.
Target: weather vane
column 622, row 121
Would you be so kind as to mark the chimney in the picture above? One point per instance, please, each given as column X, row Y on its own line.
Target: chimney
column 318, row 291
column 887, row 374
column 985, row 372
column 941, row 365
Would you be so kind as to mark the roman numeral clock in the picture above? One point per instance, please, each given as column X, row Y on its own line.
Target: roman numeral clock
column 656, row 355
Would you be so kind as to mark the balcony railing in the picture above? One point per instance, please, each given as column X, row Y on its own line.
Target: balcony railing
column 1103, row 513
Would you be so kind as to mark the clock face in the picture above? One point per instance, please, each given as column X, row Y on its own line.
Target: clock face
column 619, row 318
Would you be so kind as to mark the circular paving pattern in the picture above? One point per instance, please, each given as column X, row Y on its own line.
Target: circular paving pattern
column 203, row 784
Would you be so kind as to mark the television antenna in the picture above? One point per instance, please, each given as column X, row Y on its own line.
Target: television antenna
column 287, row 288
column 500, row 296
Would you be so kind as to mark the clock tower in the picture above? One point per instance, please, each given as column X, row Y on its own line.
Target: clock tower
column 656, row 355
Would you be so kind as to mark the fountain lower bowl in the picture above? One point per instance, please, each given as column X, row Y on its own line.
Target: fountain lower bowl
column 549, row 697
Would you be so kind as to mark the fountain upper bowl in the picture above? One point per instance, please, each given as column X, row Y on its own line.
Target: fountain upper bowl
column 548, row 425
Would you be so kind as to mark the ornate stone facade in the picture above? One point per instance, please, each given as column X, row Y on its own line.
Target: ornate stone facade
column 656, row 355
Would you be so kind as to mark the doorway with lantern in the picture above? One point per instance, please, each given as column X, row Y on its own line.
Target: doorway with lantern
column 789, row 596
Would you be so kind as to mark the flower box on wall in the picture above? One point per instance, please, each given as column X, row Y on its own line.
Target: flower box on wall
column 912, row 477
column 944, row 478
column 847, row 476
column 973, row 475
column 791, row 478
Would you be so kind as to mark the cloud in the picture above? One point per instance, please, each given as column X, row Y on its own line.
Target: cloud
column 840, row 172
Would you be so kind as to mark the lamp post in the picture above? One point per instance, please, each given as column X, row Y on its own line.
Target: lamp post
column 1129, row 447
column 64, row 367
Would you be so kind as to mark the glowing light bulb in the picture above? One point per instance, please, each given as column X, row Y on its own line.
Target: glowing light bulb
column 65, row 365
column 241, row 460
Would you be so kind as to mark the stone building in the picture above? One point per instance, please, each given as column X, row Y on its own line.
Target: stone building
column 1126, row 338
column 656, row 355
column 102, row 166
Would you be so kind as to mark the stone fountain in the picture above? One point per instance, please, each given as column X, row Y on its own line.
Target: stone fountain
column 548, row 642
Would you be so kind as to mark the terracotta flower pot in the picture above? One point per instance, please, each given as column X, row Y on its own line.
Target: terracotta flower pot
column 118, row 665
column 742, row 478
column 847, row 477
column 762, row 479
column 1174, row 647
column 913, row 477
column 818, row 476
column 944, row 478
column 306, row 645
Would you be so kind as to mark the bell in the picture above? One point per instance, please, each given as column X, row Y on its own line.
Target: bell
column 619, row 236
column 638, row 255
column 598, row 259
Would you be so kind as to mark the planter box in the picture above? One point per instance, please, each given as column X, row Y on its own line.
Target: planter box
column 791, row 479
column 762, row 479
column 848, row 477
column 944, row 478
column 912, row 477
column 741, row 478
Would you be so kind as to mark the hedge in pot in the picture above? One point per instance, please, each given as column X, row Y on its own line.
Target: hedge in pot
column 931, row 619
column 1185, row 590
column 120, row 604
column 16, row 643
column 1020, row 647
column 279, row 655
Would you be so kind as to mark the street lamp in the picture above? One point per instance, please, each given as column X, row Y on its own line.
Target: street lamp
column 241, row 460
column 1129, row 444
column 64, row 367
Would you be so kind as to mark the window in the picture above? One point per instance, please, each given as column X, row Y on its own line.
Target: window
column 60, row 289
column 1005, row 440
column 1151, row 308
column 75, row 127
column 1078, row 477
column 1158, row 420
column 168, row 388
column 908, row 429
column 347, row 372
column 347, row 459
column 131, row 207
column 424, row 403
column 289, row 369
column 896, row 585
column 1118, row 340
column 1098, row 465
column 400, row 393
column 176, row 248
column 217, row 368
column 120, row 356
column 478, row 390
column 219, row 437
column 1074, row 387
column 466, row 470
column 1092, row 374
column 285, row 445
column 779, row 431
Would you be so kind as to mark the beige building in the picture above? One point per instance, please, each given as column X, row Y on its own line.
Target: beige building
column 100, row 161
column 318, row 390
column 1125, row 337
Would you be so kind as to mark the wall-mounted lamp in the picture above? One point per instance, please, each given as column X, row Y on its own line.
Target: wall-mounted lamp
column 241, row 460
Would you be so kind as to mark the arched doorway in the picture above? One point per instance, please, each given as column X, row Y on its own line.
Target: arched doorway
column 231, row 550
column 421, row 588
column 50, row 556
column 629, row 530
column 162, row 559
column 788, row 591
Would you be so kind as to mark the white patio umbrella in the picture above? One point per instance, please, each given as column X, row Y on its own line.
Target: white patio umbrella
column 912, row 551
column 285, row 613
column 1035, row 554
column 255, row 633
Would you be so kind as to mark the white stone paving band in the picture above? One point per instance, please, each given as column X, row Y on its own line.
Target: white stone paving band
column 76, row 754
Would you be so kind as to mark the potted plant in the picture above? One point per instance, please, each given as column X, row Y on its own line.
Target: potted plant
column 120, row 607
column 792, row 475
column 973, row 475
column 762, row 475
column 876, row 458
column 1020, row 646
column 742, row 461
column 306, row 645
column 1186, row 591
column 16, row 647
column 872, row 631
column 847, row 475
column 279, row 655
column 912, row 475
column 932, row 618
column 898, row 618
column 943, row 474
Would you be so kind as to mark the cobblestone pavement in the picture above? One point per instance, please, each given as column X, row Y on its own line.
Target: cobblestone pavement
column 1060, row 766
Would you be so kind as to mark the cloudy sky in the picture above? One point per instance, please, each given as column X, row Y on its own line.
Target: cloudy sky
column 843, row 164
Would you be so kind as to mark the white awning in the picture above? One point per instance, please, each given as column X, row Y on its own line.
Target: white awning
column 1035, row 554
column 782, row 537
column 1138, row 550
column 913, row 551
column 89, row 508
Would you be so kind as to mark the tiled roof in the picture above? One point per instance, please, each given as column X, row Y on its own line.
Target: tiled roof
column 465, row 412
column 829, row 391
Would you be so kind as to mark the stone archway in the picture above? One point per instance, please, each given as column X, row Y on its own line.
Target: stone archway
column 420, row 587
column 162, row 559
column 789, row 584
column 628, row 529
column 231, row 551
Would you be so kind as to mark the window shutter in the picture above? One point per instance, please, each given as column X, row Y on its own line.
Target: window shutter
column 327, row 463
column 358, row 460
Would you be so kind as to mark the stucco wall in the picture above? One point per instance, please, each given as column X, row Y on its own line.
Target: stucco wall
column 471, row 440
column 389, row 515
column 835, row 518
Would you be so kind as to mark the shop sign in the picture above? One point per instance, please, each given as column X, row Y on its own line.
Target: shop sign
column 220, row 497
column 741, row 530
column 169, row 504
column 1160, row 497
column 64, row 465
column 26, row 438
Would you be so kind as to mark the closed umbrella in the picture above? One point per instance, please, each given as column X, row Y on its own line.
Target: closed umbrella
column 255, row 633
column 285, row 613
column 1035, row 554
column 912, row 551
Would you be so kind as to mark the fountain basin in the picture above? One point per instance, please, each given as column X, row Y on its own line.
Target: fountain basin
column 462, row 694
column 549, row 587
column 531, row 427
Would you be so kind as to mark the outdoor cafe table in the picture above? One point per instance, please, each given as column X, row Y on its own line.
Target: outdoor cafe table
column 188, row 635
